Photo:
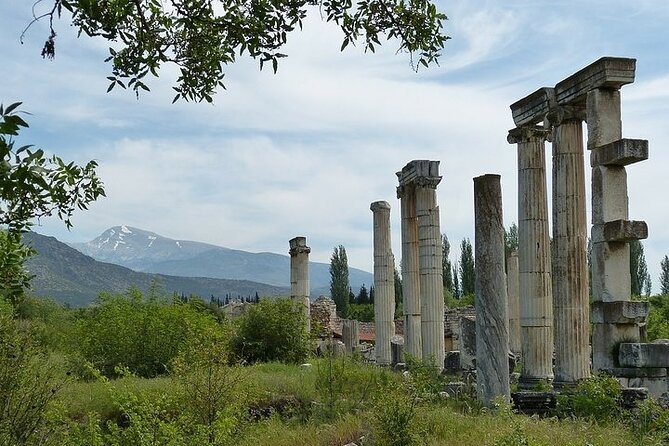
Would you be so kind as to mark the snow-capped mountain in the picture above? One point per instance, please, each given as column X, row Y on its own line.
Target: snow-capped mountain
column 147, row 251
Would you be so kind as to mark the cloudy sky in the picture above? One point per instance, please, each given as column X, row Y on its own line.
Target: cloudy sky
column 305, row 151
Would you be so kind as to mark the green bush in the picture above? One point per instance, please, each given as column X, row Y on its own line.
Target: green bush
column 144, row 335
column 28, row 383
column 394, row 420
column 594, row 398
column 272, row 330
column 360, row 312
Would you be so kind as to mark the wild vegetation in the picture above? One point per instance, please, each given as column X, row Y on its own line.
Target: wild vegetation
column 150, row 370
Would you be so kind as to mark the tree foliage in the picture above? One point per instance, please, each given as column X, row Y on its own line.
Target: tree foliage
column 664, row 276
column 510, row 241
column 138, row 333
column 467, row 274
column 446, row 266
column 340, row 287
column 272, row 331
column 638, row 269
column 34, row 185
column 201, row 37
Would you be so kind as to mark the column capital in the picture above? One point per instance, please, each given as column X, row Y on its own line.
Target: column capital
column 298, row 245
column 527, row 133
column 379, row 206
column 564, row 113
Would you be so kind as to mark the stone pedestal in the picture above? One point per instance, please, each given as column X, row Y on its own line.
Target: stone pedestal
column 513, row 293
column 536, row 305
column 350, row 334
column 384, row 282
column 299, row 276
column 421, row 261
column 492, row 331
column 570, row 235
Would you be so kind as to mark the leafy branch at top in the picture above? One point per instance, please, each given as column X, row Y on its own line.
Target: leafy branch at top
column 201, row 37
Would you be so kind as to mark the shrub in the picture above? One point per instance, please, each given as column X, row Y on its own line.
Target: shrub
column 360, row 312
column 595, row 398
column 28, row 382
column 143, row 335
column 272, row 330
column 394, row 418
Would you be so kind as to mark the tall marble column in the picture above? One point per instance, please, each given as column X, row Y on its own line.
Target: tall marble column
column 410, row 272
column 299, row 276
column 384, row 282
column 536, row 306
column 513, row 293
column 492, row 330
column 571, row 306
column 431, row 270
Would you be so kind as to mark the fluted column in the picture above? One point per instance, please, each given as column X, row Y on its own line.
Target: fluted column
column 492, row 332
column 570, row 239
column 513, row 293
column 536, row 306
column 431, row 271
column 410, row 273
column 350, row 334
column 299, row 275
column 384, row 282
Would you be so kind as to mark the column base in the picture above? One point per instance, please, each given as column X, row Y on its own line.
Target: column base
column 535, row 384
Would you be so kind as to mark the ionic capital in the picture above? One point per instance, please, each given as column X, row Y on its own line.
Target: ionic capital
column 528, row 133
column 565, row 113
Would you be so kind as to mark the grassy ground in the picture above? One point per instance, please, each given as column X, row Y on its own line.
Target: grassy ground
column 307, row 389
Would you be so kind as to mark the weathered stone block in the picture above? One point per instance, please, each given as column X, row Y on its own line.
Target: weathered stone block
column 619, row 312
column 420, row 171
column 607, row 72
column 396, row 351
column 643, row 355
column 656, row 386
column 530, row 403
column 605, row 337
column 620, row 153
column 533, row 107
column 620, row 231
column 637, row 372
column 452, row 362
column 467, row 343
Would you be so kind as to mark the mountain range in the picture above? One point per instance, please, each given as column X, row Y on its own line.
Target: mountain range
column 146, row 251
column 65, row 274
column 123, row 257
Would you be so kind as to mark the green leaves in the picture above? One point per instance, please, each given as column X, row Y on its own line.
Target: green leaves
column 34, row 185
column 201, row 37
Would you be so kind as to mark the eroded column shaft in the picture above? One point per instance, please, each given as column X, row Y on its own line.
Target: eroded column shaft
column 513, row 294
column 410, row 272
column 492, row 332
column 431, row 281
column 570, row 270
column 536, row 304
column 384, row 282
column 299, row 276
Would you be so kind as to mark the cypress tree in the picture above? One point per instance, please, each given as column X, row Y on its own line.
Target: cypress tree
column 340, row 288
column 664, row 276
column 467, row 274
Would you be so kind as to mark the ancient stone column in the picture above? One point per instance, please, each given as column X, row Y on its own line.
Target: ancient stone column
column 410, row 273
column 611, row 228
column 492, row 320
column 536, row 306
column 571, row 306
column 350, row 334
column 513, row 293
column 431, row 271
column 384, row 282
column 421, row 261
column 299, row 275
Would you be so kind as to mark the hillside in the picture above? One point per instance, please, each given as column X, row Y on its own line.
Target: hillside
column 147, row 251
column 67, row 275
